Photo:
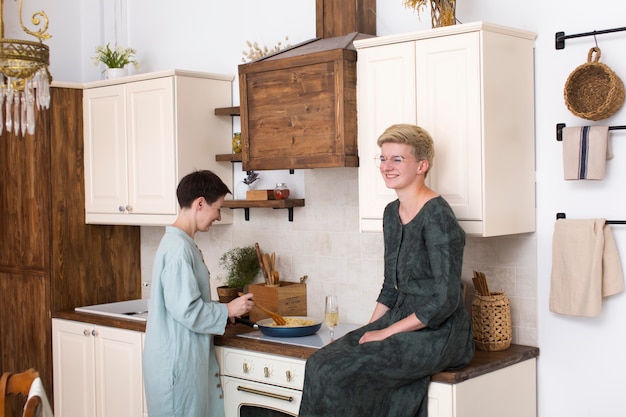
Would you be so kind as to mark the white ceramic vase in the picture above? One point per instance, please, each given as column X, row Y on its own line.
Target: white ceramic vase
column 111, row 73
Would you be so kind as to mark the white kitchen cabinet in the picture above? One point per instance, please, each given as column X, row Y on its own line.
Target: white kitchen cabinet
column 472, row 87
column 506, row 390
column 510, row 391
column 142, row 134
column 97, row 370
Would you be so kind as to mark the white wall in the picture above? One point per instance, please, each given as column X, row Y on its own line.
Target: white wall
column 581, row 359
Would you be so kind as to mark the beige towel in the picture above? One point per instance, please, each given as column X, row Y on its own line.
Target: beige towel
column 36, row 388
column 585, row 267
column 585, row 152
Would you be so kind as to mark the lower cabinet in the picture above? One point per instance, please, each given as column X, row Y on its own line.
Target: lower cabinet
column 97, row 370
column 505, row 391
column 510, row 391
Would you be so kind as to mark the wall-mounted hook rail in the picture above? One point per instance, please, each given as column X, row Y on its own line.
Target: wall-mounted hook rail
column 562, row 216
column 559, row 37
column 560, row 126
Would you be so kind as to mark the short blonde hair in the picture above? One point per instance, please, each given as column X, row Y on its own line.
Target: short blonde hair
column 416, row 137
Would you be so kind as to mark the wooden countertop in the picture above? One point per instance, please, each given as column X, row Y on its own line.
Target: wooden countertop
column 483, row 362
column 128, row 324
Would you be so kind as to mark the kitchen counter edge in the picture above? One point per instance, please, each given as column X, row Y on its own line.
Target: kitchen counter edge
column 482, row 363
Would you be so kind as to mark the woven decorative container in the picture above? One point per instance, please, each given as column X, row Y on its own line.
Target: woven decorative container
column 491, row 321
column 593, row 91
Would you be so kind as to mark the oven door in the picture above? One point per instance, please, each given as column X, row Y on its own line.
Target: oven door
column 251, row 399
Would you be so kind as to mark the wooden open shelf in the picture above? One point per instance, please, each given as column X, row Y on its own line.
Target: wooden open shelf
column 288, row 204
column 228, row 157
column 227, row 111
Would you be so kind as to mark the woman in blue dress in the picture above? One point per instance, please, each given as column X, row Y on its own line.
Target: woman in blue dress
column 419, row 325
column 180, row 369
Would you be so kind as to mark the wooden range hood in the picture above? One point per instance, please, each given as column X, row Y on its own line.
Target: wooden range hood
column 298, row 106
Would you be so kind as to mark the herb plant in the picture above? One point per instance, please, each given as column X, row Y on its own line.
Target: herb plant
column 241, row 265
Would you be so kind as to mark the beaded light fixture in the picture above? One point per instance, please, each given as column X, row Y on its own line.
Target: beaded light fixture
column 24, row 76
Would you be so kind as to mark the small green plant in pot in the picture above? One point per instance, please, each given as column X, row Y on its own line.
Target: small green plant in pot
column 241, row 265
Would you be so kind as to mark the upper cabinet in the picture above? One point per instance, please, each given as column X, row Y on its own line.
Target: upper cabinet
column 472, row 87
column 143, row 134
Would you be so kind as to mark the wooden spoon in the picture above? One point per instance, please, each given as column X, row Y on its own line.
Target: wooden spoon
column 278, row 319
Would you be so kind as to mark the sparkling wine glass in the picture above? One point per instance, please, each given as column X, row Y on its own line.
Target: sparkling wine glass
column 331, row 314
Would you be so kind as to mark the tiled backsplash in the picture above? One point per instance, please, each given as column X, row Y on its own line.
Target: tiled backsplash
column 324, row 243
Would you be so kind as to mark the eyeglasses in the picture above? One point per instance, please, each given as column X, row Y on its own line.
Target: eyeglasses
column 395, row 160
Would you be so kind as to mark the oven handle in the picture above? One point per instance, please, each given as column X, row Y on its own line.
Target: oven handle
column 265, row 393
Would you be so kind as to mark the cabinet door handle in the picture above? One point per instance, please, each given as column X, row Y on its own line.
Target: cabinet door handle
column 85, row 332
column 94, row 332
column 129, row 209
column 121, row 209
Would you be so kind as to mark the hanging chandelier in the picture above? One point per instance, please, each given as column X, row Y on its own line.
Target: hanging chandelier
column 24, row 76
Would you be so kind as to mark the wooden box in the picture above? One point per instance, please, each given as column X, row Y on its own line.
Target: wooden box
column 287, row 300
column 260, row 195
column 298, row 107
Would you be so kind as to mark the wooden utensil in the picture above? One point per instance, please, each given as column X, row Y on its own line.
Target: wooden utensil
column 278, row 319
column 486, row 286
column 480, row 283
column 260, row 258
column 268, row 268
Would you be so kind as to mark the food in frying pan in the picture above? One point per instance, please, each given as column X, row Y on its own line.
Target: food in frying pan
column 294, row 322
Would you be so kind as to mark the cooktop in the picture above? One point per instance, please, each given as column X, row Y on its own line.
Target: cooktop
column 316, row 341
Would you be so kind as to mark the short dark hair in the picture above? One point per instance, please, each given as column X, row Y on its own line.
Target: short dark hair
column 203, row 183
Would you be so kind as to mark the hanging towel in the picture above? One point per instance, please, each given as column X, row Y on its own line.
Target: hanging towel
column 585, row 152
column 585, row 267
column 36, row 388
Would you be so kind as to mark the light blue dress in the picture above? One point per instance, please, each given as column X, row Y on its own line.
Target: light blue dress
column 179, row 365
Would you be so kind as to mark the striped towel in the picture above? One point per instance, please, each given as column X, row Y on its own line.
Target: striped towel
column 585, row 152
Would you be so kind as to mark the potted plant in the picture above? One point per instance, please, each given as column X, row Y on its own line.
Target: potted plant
column 115, row 59
column 241, row 265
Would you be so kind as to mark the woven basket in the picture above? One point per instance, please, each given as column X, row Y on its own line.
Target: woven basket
column 593, row 91
column 491, row 321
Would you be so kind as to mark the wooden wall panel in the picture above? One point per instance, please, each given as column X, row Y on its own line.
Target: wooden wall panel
column 25, row 325
column 105, row 266
column 24, row 199
column 50, row 260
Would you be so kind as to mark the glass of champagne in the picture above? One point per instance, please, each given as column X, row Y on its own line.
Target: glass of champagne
column 331, row 314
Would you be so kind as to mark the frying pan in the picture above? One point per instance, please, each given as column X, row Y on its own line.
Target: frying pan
column 265, row 326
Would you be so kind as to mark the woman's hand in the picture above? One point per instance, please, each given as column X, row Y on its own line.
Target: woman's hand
column 374, row 336
column 240, row 306
column 407, row 324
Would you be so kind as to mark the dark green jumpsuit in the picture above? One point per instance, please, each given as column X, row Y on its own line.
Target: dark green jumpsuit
column 390, row 378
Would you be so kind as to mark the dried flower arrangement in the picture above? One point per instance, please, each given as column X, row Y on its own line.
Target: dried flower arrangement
column 442, row 11
column 255, row 51
column 251, row 177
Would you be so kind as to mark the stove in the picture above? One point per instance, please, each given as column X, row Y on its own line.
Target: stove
column 316, row 341
column 260, row 384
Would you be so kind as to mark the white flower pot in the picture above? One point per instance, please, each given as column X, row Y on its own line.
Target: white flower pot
column 111, row 73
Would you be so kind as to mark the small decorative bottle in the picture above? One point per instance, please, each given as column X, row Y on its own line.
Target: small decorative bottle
column 281, row 192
